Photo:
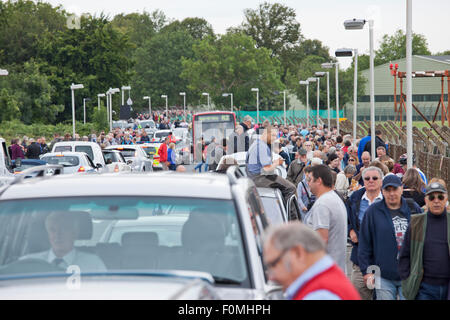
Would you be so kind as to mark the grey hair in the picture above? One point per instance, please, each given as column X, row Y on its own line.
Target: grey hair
column 350, row 169
column 293, row 234
column 380, row 172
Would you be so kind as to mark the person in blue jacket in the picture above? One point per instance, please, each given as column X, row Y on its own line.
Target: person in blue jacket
column 381, row 238
column 362, row 145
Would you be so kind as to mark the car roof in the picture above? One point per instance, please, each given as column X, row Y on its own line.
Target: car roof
column 124, row 146
column 71, row 143
column 68, row 153
column 206, row 186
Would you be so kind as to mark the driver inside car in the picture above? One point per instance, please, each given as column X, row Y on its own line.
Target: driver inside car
column 63, row 229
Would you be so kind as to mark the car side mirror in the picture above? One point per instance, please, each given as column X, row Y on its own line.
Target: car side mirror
column 99, row 166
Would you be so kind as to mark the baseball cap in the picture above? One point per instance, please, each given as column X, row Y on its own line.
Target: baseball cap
column 391, row 181
column 302, row 152
column 435, row 187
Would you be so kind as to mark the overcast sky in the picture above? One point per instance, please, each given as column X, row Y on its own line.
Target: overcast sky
column 319, row 19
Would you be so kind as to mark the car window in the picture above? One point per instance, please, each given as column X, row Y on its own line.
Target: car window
column 63, row 148
column 128, row 153
column 161, row 134
column 273, row 210
column 66, row 161
column 123, row 234
column 87, row 149
column 110, row 157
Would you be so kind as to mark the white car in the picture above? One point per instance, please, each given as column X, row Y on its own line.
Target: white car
column 135, row 157
column 92, row 149
column 159, row 135
column 73, row 162
column 115, row 162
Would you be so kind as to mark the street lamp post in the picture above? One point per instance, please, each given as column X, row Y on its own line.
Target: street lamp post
column 358, row 24
column 409, row 141
column 84, row 108
column 184, row 104
column 101, row 95
column 306, row 83
column 349, row 53
column 167, row 104
column 74, row 87
column 284, row 106
column 229, row 95
column 123, row 93
column 330, row 65
column 320, row 75
column 149, row 105
column 257, row 103
column 207, row 94
column 110, row 94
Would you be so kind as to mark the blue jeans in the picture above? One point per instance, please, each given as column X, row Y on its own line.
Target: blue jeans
column 199, row 166
column 389, row 290
column 431, row 292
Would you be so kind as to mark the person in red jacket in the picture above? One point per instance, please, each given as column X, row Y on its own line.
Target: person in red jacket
column 295, row 258
column 162, row 152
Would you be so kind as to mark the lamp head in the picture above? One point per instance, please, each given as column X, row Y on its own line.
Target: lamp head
column 354, row 24
column 345, row 52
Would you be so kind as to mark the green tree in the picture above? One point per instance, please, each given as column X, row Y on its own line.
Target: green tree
column 394, row 47
column 9, row 107
column 232, row 63
column 22, row 24
column 96, row 55
column 197, row 28
column 158, row 66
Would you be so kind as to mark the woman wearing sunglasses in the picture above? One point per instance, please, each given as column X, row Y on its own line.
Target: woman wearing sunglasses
column 424, row 263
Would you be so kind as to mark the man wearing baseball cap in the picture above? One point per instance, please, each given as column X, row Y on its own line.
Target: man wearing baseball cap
column 424, row 262
column 381, row 238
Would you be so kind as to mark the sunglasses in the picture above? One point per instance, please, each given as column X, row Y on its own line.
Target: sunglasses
column 432, row 197
column 351, row 160
column 373, row 178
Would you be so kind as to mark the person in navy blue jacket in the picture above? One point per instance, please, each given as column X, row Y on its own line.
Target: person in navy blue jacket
column 381, row 238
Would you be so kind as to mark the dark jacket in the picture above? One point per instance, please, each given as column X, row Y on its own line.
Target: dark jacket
column 244, row 126
column 353, row 204
column 293, row 174
column 34, row 150
column 377, row 242
column 378, row 143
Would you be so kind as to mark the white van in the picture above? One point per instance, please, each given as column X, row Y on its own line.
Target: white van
column 93, row 150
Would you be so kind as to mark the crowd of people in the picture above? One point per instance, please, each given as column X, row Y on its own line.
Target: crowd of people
column 395, row 221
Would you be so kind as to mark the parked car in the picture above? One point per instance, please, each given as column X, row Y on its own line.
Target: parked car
column 158, row 136
column 92, row 149
column 129, row 229
column 135, row 157
column 73, row 162
column 115, row 162
column 151, row 149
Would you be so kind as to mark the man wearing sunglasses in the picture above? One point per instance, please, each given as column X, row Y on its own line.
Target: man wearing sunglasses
column 424, row 262
column 357, row 205
column 381, row 238
column 295, row 258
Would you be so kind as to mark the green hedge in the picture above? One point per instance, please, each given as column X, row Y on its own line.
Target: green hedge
column 17, row 129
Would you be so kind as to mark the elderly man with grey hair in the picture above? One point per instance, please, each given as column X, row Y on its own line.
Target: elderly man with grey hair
column 296, row 258
column 63, row 229
column 342, row 179
column 247, row 123
column 357, row 205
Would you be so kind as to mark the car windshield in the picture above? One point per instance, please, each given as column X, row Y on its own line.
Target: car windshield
column 63, row 148
column 149, row 150
column 128, row 153
column 147, row 124
column 66, row 161
column 161, row 134
column 111, row 157
column 121, row 234
column 86, row 149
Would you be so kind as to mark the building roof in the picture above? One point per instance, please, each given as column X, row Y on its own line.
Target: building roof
column 444, row 59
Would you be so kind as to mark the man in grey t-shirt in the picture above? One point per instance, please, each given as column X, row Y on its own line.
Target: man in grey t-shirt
column 328, row 216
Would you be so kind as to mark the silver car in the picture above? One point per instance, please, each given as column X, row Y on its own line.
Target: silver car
column 205, row 223
column 135, row 156
column 73, row 162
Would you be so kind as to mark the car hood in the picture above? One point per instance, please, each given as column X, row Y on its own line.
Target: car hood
column 239, row 294
column 105, row 287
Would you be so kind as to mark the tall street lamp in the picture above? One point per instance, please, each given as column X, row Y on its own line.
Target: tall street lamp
column 257, row 103
column 306, row 83
column 349, row 53
column 84, row 108
column 320, row 75
column 409, row 141
column 149, row 105
column 167, row 104
column 74, row 87
column 206, row 94
column 229, row 95
column 110, row 93
column 358, row 24
column 184, row 104
column 284, row 106
column 124, row 88
column 101, row 95
column 330, row 65
column 315, row 79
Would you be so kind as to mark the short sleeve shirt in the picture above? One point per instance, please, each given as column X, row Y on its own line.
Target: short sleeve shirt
column 259, row 156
